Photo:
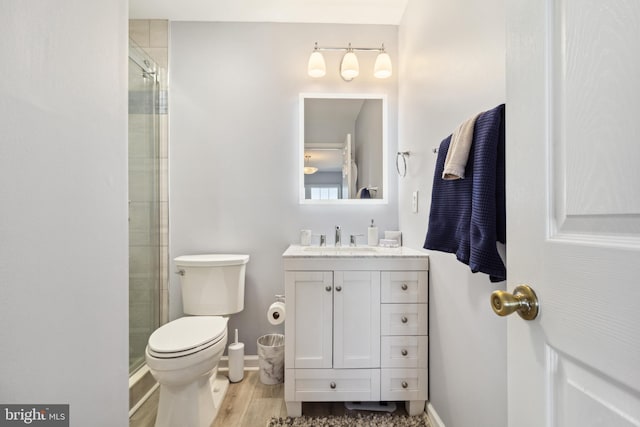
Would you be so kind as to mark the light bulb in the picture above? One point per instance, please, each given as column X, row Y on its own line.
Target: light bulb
column 382, row 68
column 316, row 67
column 349, row 67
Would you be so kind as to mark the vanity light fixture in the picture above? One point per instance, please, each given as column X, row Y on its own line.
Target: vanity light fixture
column 309, row 170
column 349, row 67
column 317, row 67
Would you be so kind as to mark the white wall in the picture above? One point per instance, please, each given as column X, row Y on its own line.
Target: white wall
column 452, row 66
column 233, row 102
column 63, row 207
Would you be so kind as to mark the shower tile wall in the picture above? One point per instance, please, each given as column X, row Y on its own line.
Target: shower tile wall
column 152, row 37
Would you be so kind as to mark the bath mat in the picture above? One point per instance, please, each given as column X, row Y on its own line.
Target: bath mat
column 352, row 420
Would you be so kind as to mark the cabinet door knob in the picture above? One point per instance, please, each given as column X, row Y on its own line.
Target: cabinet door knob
column 332, row 385
column 404, row 319
column 404, row 352
column 338, row 288
column 404, row 384
column 404, row 286
column 328, row 288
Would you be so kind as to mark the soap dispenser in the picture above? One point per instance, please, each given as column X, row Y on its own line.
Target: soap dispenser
column 372, row 235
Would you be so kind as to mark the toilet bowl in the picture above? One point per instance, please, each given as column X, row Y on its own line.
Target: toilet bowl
column 183, row 354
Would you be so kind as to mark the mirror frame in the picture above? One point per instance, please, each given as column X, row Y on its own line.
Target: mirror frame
column 385, row 149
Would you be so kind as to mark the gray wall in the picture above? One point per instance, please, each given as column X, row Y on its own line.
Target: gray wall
column 452, row 66
column 63, row 207
column 234, row 91
column 369, row 134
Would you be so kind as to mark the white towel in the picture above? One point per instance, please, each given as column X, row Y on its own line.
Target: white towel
column 458, row 153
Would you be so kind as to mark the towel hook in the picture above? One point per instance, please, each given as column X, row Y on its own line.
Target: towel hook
column 403, row 155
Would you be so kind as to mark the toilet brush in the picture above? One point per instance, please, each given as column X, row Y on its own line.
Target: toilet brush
column 236, row 360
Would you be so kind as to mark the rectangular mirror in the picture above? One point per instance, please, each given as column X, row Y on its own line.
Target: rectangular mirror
column 343, row 148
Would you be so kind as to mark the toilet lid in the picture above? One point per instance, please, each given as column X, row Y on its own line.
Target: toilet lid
column 211, row 260
column 187, row 333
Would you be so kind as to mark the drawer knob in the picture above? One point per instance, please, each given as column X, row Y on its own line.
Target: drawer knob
column 404, row 286
column 404, row 352
column 328, row 288
column 404, row 384
column 332, row 385
column 338, row 288
column 404, row 319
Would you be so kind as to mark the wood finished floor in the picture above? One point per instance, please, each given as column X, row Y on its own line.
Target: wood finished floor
column 248, row 403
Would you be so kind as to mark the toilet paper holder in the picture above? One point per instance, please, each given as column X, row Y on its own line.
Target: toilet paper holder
column 276, row 312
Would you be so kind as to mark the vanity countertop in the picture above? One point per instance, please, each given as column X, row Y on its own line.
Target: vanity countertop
column 298, row 251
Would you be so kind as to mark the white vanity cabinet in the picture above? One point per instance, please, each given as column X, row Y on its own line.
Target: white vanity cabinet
column 356, row 327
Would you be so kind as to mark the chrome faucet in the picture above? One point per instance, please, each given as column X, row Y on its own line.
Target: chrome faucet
column 338, row 236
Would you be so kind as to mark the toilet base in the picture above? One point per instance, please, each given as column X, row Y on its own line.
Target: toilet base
column 195, row 405
column 219, row 387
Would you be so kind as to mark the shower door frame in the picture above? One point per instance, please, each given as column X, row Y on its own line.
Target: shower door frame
column 150, row 69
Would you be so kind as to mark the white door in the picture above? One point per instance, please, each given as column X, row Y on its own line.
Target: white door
column 573, row 211
column 308, row 330
column 356, row 319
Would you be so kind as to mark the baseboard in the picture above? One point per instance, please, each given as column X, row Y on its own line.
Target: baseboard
column 250, row 363
column 434, row 419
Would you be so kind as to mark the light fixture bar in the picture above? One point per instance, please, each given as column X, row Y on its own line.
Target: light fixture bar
column 345, row 49
column 349, row 67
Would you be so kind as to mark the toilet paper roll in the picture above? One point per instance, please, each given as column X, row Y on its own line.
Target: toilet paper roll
column 276, row 313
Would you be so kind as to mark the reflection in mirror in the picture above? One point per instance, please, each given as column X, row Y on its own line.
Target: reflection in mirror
column 343, row 148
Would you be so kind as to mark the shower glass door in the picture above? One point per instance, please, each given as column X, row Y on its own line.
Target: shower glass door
column 144, row 214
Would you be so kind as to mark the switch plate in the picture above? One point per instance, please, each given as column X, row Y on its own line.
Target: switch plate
column 414, row 202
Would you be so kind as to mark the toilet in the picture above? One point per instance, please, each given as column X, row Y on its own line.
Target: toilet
column 183, row 354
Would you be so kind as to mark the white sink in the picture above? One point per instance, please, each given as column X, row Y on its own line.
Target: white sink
column 333, row 249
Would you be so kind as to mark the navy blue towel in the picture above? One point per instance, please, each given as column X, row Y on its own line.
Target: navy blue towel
column 468, row 216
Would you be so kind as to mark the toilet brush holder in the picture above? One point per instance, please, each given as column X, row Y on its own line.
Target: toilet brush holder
column 236, row 360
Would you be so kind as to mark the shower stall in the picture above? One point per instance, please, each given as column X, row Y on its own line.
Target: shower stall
column 147, row 204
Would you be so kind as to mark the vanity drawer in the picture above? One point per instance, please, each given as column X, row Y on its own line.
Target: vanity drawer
column 404, row 352
column 329, row 385
column 403, row 384
column 404, row 319
column 403, row 287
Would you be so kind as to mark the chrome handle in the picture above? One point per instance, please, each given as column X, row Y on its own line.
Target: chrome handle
column 405, row 286
column 404, row 384
column 332, row 385
column 523, row 300
column 404, row 352
column 328, row 288
column 404, row 319
column 338, row 288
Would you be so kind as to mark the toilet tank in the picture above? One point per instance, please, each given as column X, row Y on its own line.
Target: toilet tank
column 212, row 284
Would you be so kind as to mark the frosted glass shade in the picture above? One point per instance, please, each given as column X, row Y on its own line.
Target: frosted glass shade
column 382, row 68
column 316, row 67
column 349, row 67
column 310, row 170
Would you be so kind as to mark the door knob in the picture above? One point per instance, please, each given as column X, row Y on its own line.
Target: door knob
column 523, row 300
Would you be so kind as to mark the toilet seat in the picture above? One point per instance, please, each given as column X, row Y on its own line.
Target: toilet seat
column 187, row 335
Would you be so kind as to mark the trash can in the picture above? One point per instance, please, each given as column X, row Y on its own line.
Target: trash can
column 271, row 358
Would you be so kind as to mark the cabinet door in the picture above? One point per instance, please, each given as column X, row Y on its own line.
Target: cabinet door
column 356, row 327
column 311, row 320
